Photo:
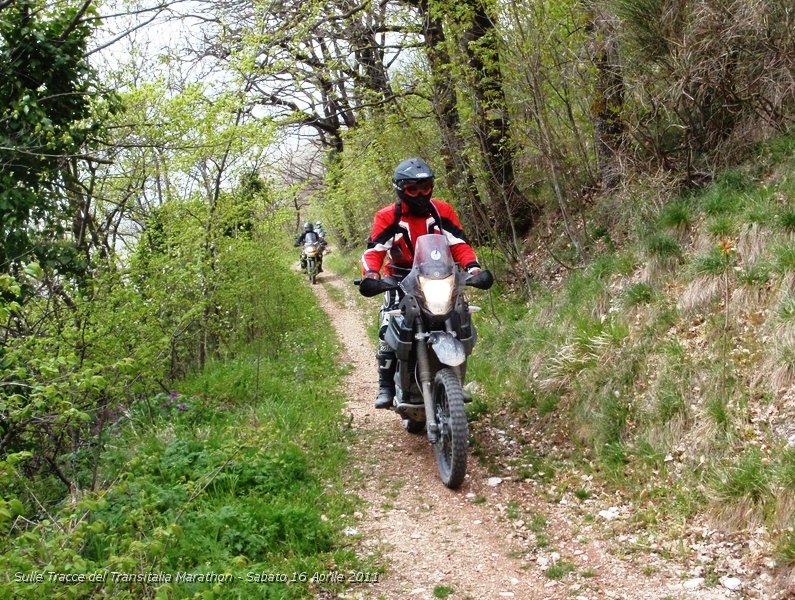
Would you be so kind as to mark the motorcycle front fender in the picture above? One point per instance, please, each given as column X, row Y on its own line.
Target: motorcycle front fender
column 448, row 350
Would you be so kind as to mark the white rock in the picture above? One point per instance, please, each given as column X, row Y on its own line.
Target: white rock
column 610, row 514
column 735, row 565
column 542, row 561
column 731, row 583
column 693, row 584
column 494, row 481
column 350, row 531
column 514, row 581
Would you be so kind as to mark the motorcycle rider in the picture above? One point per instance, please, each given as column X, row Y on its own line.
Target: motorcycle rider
column 395, row 227
column 309, row 236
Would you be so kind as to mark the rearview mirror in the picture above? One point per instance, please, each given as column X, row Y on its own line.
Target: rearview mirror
column 483, row 280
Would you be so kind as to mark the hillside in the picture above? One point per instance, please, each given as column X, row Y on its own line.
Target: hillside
column 657, row 375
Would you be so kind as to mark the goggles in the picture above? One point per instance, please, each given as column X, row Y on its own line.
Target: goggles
column 413, row 189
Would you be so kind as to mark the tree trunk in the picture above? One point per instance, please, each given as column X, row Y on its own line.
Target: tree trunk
column 481, row 47
column 458, row 171
column 608, row 103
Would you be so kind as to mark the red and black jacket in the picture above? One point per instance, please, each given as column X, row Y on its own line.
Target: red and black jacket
column 394, row 231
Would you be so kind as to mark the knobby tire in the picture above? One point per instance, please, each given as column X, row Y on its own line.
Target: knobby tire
column 451, row 449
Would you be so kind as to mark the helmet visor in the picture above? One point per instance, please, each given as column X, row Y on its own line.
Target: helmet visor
column 413, row 189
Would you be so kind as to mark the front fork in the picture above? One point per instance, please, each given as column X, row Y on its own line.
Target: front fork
column 424, row 368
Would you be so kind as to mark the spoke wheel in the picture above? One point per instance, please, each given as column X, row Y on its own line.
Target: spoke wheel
column 451, row 449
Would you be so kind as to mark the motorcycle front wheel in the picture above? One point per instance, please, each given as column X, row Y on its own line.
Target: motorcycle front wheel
column 450, row 417
column 311, row 269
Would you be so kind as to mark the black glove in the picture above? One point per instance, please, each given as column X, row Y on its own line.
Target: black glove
column 370, row 287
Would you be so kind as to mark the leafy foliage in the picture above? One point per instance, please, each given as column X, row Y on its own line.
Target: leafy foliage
column 51, row 112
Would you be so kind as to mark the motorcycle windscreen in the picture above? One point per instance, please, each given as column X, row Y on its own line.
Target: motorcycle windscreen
column 432, row 257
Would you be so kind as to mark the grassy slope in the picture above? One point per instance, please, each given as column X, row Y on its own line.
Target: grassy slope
column 665, row 364
column 239, row 471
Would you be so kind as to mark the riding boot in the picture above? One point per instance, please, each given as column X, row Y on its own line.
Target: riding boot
column 387, row 363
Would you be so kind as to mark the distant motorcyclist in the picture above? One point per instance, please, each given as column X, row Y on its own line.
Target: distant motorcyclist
column 319, row 229
column 310, row 236
column 392, row 237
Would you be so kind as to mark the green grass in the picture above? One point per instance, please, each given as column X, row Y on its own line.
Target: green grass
column 639, row 294
column 722, row 226
column 784, row 258
column 238, row 471
column 786, row 220
column 534, row 466
column 662, row 246
column 786, row 469
column 745, row 477
column 559, row 569
column 537, row 523
column 719, row 412
column 754, row 276
column 786, row 547
column 548, row 404
column 670, row 402
column 513, row 510
column 443, row 591
column 713, row 262
column 676, row 215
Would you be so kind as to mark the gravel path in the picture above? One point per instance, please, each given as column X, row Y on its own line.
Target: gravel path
column 487, row 540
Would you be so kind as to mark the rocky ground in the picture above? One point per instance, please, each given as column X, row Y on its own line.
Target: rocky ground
column 504, row 534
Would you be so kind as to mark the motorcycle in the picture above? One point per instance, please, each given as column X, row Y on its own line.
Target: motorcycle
column 312, row 253
column 432, row 335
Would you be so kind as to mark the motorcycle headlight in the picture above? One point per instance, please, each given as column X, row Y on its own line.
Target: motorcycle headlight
column 438, row 294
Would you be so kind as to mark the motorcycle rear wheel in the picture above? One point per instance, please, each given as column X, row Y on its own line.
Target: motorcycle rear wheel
column 450, row 417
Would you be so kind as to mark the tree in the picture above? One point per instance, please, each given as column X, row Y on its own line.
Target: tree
column 608, row 103
column 50, row 113
column 475, row 23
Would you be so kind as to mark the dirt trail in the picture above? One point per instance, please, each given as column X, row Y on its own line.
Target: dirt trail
column 476, row 542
